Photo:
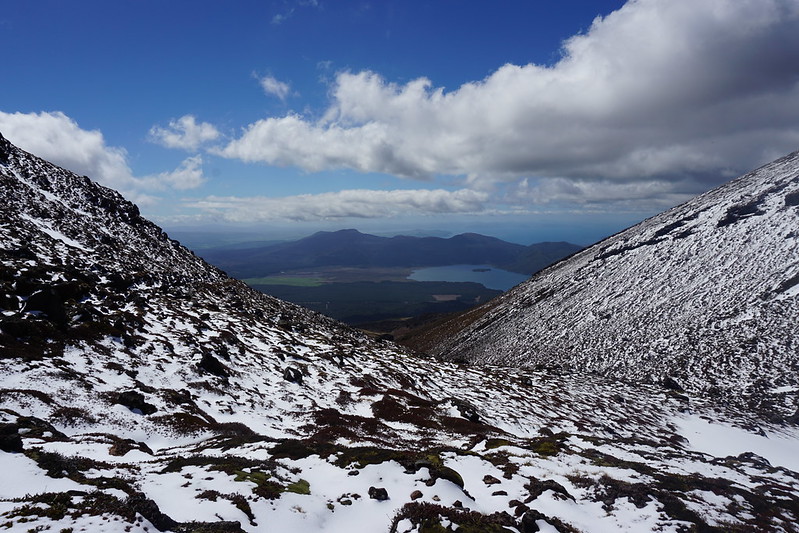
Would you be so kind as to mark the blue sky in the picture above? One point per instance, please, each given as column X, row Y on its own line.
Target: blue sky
column 526, row 120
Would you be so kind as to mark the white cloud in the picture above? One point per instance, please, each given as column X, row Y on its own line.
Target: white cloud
column 275, row 87
column 189, row 175
column 184, row 133
column 356, row 203
column 660, row 90
column 637, row 196
column 60, row 140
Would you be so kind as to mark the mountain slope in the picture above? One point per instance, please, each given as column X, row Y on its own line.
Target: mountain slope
column 142, row 390
column 353, row 248
column 706, row 294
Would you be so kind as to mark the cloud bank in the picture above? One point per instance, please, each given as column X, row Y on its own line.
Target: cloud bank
column 59, row 139
column 686, row 93
column 356, row 203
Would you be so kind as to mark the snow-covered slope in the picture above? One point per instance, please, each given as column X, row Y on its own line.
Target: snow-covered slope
column 706, row 294
column 142, row 390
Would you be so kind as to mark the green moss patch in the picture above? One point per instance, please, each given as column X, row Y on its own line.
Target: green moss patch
column 299, row 487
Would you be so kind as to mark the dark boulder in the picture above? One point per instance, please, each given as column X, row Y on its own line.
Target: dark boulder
column 292, row 374
column 123, row 446
column 378, row 493
column 669, row 383
column 528, row 522
column 39, row 429
column 466, row 410
column 23, row 252
column 149, row 510
column 34, row 330
column 753, row 458
column 10, row 441
column 537, row 487
column 120, row 282
column 72, row 290
column 134, row 400
column 9, row 302
column 49, row 302
column 214, row 366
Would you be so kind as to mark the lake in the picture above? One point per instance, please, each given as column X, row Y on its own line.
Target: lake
column 489, row 277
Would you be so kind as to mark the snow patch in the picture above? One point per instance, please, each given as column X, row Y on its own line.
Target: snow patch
column 722, row 440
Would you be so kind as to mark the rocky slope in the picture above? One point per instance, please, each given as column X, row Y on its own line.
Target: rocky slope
column 704, row 296
column 142, row 390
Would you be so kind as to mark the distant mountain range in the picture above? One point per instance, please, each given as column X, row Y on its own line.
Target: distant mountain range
column 352, row 248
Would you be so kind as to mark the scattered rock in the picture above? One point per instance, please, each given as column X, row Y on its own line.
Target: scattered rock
column 490, row 480
column 537, row 487
column 520, row 510
column 546, row 432
column 528, row 521
column 9, row 302
column 149, row 510
column 466, row 410
column 669, row 383
column 378, row 493
column 134, row 400
column 123, row 446
column 415, row 495
column 752, row 457
column 10, row 441
column 214, row 366
column 458, row 504
column 292, row 374
column 48, row 302
column 40, row 429
column 499, row 493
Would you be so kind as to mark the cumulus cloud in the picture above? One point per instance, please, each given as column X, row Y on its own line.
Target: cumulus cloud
column 660, row 90
column 275, row 87
column 59, row 139
column 356, row 203
column 189, row 175
column 184, row 133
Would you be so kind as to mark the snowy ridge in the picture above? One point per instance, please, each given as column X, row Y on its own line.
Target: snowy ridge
column 704, row 294
column 143, row 390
